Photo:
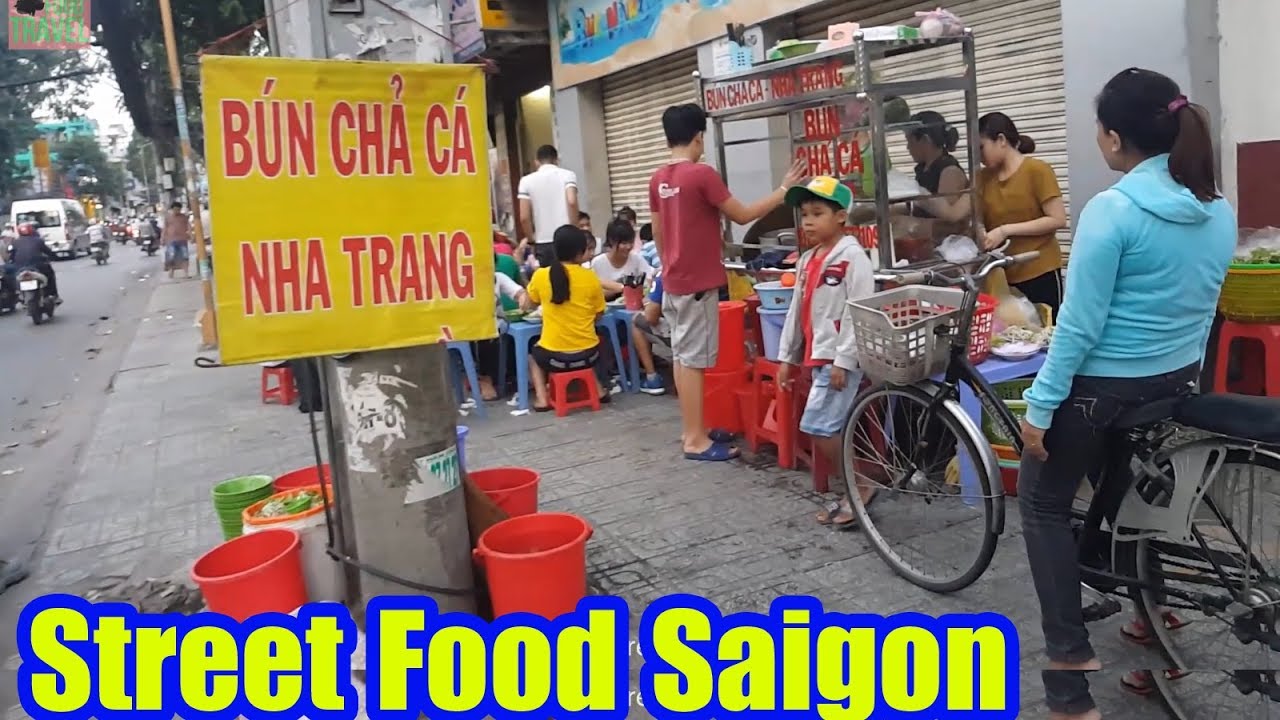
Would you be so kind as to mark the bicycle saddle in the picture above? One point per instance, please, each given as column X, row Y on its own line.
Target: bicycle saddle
column 1247, row 417
column 1239, row 416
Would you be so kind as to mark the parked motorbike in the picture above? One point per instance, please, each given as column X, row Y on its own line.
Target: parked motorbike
column 150, row 246
column 8, row 293
column 100, row 250
column 39, row 304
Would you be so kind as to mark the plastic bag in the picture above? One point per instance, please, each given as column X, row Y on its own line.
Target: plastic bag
column 958, row 249
column 1259, row 247
column 939, row 23
column 1013, row 309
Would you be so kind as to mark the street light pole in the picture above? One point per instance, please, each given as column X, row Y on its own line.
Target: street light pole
column 207, row 317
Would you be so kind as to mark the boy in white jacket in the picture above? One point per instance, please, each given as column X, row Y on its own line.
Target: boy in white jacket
column 818, row 336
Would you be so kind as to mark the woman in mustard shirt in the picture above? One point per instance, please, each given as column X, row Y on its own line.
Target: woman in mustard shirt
column 1021, row 202
column 572, row 300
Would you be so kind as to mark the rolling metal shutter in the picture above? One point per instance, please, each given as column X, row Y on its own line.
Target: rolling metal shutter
column 1020, row 71
column 633, row 103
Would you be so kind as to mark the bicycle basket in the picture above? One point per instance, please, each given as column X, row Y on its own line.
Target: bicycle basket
column 897, row 332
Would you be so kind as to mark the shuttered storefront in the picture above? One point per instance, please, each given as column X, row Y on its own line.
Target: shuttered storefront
column 633, row 103
column 1019, row 57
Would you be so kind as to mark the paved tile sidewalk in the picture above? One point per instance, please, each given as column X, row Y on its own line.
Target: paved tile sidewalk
column 738, row 535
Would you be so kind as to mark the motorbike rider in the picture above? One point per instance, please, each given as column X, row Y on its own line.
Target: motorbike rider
column 29, row 251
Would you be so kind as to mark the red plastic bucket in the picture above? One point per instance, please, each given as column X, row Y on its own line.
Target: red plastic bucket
column 536, row 563
column 256, row 573
column 514, row 489
column 732, row 353
column 301, row 478
column 720, row 398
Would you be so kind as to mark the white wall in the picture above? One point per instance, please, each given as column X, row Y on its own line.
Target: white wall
column 378, row 33
column 1250, row 57
column 1103, row 37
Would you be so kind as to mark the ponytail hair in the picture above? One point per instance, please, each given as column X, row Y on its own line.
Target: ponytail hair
column 1152, row 117
column 936, row 128
column 569, row 244
column 994, row 125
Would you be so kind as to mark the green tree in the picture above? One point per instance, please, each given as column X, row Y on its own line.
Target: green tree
column 133, row 37
column 85, row 167
column 22, row 95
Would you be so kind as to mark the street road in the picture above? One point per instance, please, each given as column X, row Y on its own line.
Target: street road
column 53, row 380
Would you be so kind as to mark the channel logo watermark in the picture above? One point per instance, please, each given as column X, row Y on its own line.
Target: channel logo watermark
column 48, row 24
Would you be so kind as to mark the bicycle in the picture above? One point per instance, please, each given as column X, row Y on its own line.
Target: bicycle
column 1159, row 501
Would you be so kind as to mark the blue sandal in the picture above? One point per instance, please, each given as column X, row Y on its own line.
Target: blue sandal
column 718, row 452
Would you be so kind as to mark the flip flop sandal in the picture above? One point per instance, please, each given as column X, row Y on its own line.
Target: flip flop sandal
column 1142, row 684
column 1144, row 636
column 718, row 452
column 827, row 517
column 543, row 409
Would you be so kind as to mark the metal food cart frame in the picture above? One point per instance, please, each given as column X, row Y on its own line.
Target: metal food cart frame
column 852, row 66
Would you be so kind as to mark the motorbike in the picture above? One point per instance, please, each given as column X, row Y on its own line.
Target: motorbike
column 120, row 234
column 100, row 250
column 150, row 246
column 39, row 304
column 8, row 293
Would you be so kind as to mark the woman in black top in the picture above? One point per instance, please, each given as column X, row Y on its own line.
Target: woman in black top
column 938, row 172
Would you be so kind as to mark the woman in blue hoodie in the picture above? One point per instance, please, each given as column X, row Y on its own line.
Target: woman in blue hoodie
column 1147, row 263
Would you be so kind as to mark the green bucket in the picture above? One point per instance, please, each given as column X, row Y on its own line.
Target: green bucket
column 231, row 497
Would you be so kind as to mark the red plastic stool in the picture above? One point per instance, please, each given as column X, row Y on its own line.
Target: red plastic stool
column 1262, row 370
column 283, row 390
column 775, row 413
column 564, row 401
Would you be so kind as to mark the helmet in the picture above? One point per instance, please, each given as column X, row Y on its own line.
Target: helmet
column 26, row 228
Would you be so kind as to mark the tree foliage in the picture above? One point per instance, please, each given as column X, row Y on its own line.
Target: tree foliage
column 83, row 165
column 132, row 34
column 20, row 102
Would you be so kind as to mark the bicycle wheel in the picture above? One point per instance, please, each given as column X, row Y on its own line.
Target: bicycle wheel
column 1222, row 587
column 901, row 457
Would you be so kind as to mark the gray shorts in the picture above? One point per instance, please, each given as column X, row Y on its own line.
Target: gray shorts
column 695, row 327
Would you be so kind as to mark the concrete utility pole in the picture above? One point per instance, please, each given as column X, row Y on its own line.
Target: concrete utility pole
column 401, row 504
column 207, row 319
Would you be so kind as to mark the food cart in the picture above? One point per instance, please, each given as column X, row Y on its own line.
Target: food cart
column 828, row 99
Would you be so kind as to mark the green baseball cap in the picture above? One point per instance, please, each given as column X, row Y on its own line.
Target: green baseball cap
column 822, row 186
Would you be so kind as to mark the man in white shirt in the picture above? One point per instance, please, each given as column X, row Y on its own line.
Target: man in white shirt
column 548, row 199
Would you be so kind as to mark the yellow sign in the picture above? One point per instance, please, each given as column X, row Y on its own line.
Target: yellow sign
column 40, row 153
column 352, row 201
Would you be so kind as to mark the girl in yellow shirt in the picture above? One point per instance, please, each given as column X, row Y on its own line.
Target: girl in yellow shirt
column 1021, row 203
column 572, row 299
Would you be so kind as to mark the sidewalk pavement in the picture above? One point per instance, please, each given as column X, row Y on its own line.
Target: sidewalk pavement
column 736, row 533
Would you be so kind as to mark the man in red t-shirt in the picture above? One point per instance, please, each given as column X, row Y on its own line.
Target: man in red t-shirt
column 686, row 200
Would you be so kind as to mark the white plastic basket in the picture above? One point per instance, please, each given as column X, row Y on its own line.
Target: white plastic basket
column 902, row 334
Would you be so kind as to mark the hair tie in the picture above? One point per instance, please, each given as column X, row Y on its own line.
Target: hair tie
column 1178, row 103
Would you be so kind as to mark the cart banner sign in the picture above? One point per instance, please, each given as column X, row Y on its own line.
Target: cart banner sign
column 352, row 201
column 787, row 85
column 594, row 38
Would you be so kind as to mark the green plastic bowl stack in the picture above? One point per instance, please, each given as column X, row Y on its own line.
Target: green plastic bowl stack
column 231, row 497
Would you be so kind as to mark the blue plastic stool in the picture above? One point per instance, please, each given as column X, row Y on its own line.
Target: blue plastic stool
column 522, row 335
column 463, row 349
column 625, row 320
column 609, row 324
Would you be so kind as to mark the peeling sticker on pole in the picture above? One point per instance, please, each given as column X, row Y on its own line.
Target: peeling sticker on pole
column 438, row 474
column 374, row 412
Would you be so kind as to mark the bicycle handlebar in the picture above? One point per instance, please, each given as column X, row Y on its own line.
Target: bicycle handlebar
column 928, row 277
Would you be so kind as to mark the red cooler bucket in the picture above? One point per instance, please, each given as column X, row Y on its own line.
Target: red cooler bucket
column 514, row 489
column 256, row 573
column 732, row 353
column 302, row 478
column 536, row 563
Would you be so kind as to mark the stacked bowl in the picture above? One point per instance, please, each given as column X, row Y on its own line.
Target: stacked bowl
column 231, row 497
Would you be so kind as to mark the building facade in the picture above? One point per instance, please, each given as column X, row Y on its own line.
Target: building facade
column 54, row 131
column 1040, row 61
